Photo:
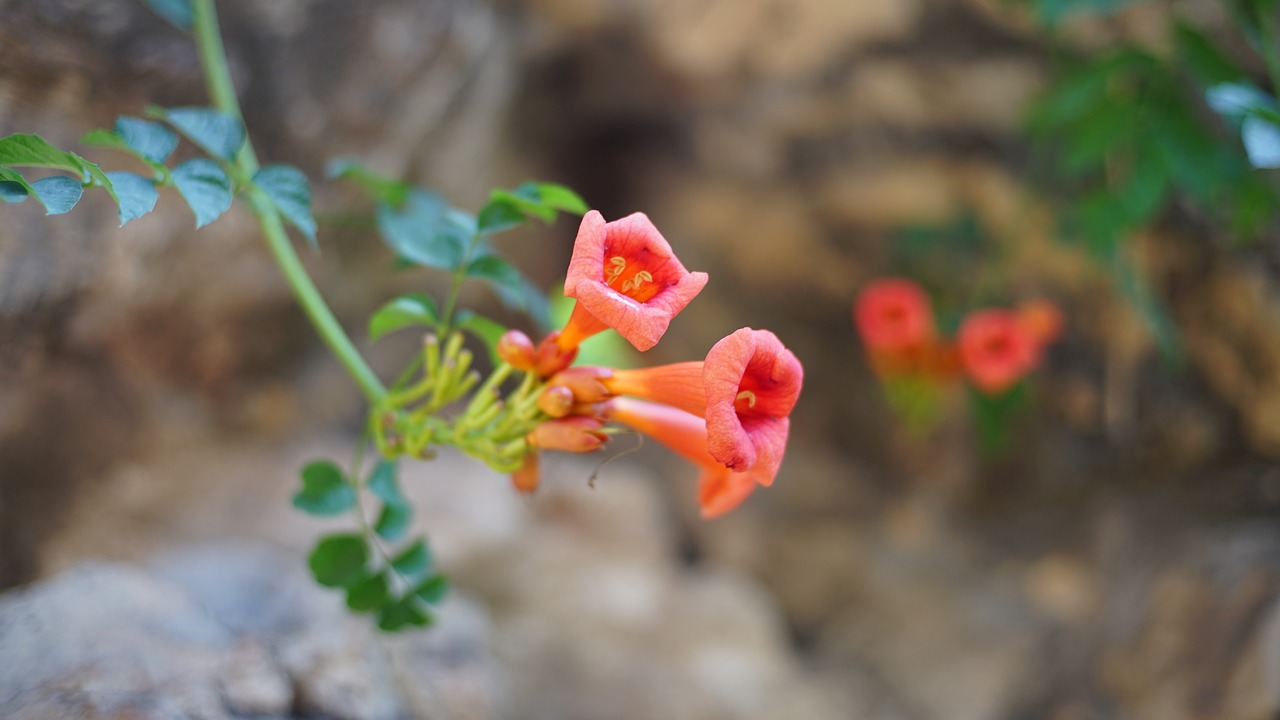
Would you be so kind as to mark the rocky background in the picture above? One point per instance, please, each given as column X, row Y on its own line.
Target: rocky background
column 159, row 388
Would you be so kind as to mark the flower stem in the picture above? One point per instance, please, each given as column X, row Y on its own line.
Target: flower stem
column 213, row 62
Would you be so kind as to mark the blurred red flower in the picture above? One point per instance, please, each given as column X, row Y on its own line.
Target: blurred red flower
column 996, row 349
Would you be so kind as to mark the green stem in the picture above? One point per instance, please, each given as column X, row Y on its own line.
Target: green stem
column 213, row 61
column 1271, row 50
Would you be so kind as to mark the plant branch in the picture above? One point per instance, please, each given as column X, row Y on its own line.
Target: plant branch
column 213, row 62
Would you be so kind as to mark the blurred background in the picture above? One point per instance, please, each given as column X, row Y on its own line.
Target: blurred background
column 1117, row 557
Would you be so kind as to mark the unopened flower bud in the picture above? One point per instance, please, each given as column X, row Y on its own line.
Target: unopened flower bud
column 550, row 358
column 556, row 401
column 515, row 348
column 526, row 478
column 585, row 383
column 576, row 433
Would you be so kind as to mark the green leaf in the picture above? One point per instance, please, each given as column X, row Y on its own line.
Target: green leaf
column 13, row 192
column 414, row 561
column 325, row 490
column 178, row 13
column 382, row 483
column 25, row 150
column 59, row 193
column 404, row 311
column 150, row 140
column 383, row 189
column 135, row 195
column 499, row 215
column 216, row 132
column 489, row 331
column 1052, row 12
column 418, row 232
column 368, row 594
column 104, row 139
column 433, row 589
column 394, row 521
column 1108, row 126
column 512, row 288
column 339, row 560
column 1237, row 100
column 562, row 198
column 405, row 613
column 206, row 188
column 1203, row 57
column 1261, row 142
column 528, row 200
column 288, row 189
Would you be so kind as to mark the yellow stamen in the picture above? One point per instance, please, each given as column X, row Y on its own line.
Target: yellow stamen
column 637, row 280
column 619, row 265
column 749, row 396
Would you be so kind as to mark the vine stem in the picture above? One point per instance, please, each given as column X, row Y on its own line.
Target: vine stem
column 217, row 76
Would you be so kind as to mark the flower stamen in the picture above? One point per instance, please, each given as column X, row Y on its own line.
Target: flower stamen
column 747, row 395
column 618, row 265
column 636, row 281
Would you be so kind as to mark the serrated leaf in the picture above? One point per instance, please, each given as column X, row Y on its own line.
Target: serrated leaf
column 560, row 197
column 433, row 589
column 394, row 521
column 135, row 195
column 339, row 560
column 413, row 561
column 325, row 490
column 1261, row 142
column 59, row 193
column 288, row 189
column 368, row 594
column 404, row 311
column 419, row 231
column 152, row 141
column 216, row 132
column 26, row 150
column 402, row 614
column 383, row 189
column 205, row 187
column 178, row 13
column 499, row 215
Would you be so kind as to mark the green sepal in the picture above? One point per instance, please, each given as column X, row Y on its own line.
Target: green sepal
column 325, row 490
column 404, row 311
column 339, row 560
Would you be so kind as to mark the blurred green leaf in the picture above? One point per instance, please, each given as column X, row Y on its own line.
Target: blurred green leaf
column 384, row 484
column 382, row 189
column 25, row 150
column 499, row 215
column 433, row 589
column 421, row 231
column 404, row 311
column 513, row 288
column 560, row 197
column 135, row 195
column 528, row 200
column 325, row 490
column 414, row 561
column 1205, row 60
column 368, row 594
column 339, row 560
column 205, row 187
column 1238, row 99
column 1052, row 12
column 403, row 613
column 1261, row 142
column 394, row 521
column 176, row 12
column 489, row 331
column 289, row 191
